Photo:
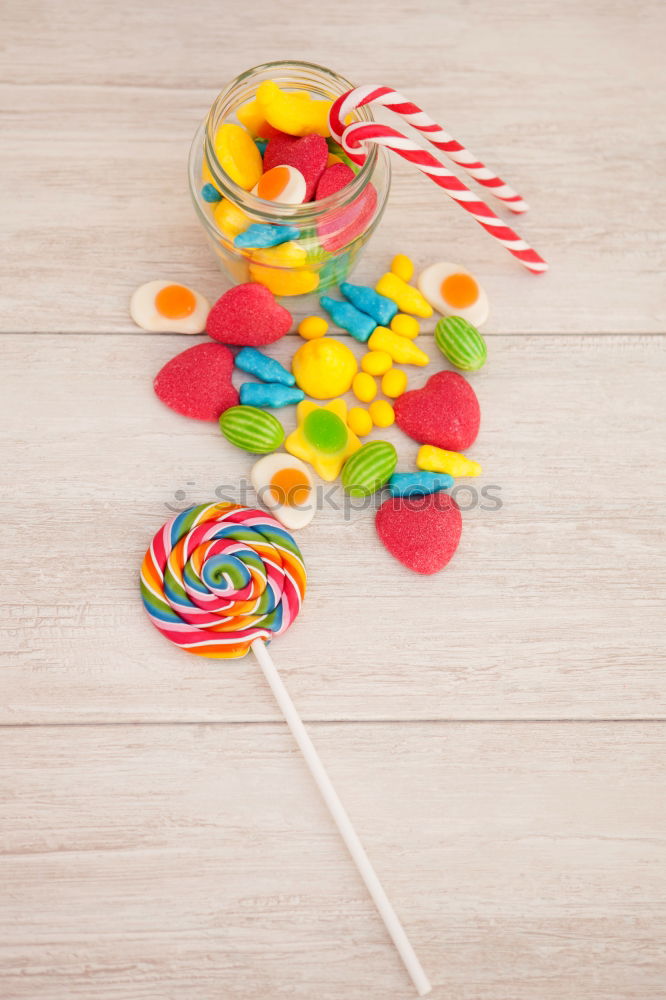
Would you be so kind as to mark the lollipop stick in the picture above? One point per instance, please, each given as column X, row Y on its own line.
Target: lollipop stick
column 342, row 820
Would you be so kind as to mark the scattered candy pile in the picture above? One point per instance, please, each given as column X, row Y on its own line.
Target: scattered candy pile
column 221, row 580
column 443, row 416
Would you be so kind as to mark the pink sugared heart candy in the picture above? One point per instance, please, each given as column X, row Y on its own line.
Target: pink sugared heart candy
column 421, row 532
column 197, row 382
column 445, row 412
column 334, row 179
column 248, row 316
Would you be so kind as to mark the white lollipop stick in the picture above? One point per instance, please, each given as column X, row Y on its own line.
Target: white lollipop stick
column 342, row 820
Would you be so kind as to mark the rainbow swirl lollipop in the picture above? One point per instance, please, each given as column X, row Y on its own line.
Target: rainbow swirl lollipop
column 220, row 580
column 219, row 576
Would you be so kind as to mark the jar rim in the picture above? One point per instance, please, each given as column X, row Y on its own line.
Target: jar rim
column 271, row 212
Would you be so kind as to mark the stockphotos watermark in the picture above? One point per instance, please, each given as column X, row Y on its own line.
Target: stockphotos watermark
column 334, row 497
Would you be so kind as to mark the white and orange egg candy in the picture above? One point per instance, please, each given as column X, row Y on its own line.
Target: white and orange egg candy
column 283, row 185
column 164, row 307
column 285, row 485
column 453, row 291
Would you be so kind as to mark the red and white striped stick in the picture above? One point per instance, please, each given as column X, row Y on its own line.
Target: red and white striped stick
column 434, row 133
column 352, row 138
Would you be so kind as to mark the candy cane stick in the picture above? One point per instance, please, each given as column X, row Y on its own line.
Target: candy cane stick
column 359, row 132
column 434, row 133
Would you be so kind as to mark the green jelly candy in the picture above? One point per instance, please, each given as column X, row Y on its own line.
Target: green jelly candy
column 252, row 429
column 325, row 431
column 461, row 343
column 369, row 468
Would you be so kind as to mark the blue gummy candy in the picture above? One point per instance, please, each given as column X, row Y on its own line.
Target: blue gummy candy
column 346, row 316
column 269, row 394
column 371, row 302
column 252, row 361
column 210, row 193
column 408, row 484
column 261, row 145
column 260, row 236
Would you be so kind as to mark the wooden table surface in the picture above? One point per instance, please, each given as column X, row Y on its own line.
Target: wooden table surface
column 497, row 731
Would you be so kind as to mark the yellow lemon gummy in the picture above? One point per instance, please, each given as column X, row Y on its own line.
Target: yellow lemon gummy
column 402, row 266
column 376, row 362
column 238, row 155
column 433, row 459
column 324, row 368
column 294, row 112
column 359, row 421
column 364, row 387
column 312, row 327
column 382, row 413
column 322, row 436
column 405, row 325
column 394, row 383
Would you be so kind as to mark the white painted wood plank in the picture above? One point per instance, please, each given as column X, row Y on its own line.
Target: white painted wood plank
column 552, row 607
column 563, row 100
column 152, row 862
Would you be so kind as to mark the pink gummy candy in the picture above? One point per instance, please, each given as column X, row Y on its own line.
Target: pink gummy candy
column 445, row 412
column 421, row 532
column 197, row 383
column 248, row 315
column 333, row 179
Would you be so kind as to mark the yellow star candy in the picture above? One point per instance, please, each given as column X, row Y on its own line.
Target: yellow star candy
column 322, row 437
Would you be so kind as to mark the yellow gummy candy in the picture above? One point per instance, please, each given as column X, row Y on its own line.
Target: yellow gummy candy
column 359, row 421
column 282, row 281
column 324, row 368
column 394, row 383
column 407, row 298
column 376, row 362
column 432, row 459
column 206, row 175
column 403, row 266
column 300, row 443
column 405, row 325
column 294, row 112
column 287, row 254
column 281, row 269
column 229, row 219
column 313, row 327
column 402, row 350
column 382, row 413
column 252, row 117
column 238, row 155
column 364, row 387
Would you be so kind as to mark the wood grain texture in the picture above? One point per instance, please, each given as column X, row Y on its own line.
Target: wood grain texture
column 186, row 860
column 150, row 862
column 550, row 609
column 565, row 101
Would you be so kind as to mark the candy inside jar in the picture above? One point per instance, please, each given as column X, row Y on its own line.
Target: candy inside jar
column 279, row 200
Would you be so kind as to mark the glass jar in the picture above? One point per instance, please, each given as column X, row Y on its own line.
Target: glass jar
column 328, row 235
